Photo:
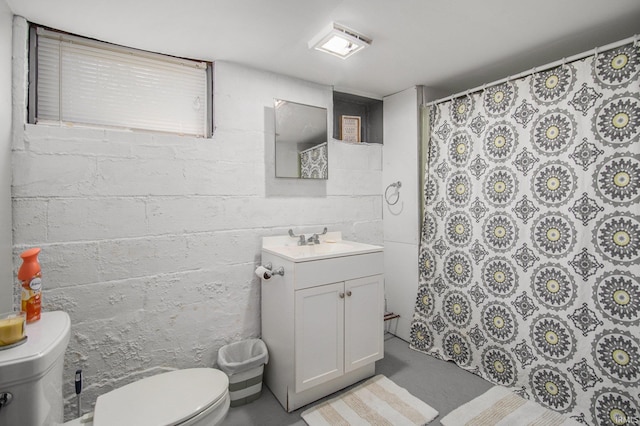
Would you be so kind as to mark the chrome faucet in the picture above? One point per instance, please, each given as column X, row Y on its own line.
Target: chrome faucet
column 302, row 241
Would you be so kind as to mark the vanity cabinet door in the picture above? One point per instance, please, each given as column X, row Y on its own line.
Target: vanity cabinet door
column 319, row 335
column 364, row 324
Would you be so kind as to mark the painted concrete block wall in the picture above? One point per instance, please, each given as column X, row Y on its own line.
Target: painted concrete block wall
column 149, row 241
column 401, row 220
column 6, row 265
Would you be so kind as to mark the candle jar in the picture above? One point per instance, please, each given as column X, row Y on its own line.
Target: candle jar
column 12, row 327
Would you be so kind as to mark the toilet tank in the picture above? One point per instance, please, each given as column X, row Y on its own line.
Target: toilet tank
column 32, row 373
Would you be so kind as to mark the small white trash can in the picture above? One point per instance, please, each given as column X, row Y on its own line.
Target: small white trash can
column 244, row 363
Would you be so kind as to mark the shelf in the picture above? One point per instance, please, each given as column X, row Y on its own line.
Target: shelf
column 369, row 110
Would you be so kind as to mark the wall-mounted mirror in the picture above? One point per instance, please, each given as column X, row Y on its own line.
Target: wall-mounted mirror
column 301, row 141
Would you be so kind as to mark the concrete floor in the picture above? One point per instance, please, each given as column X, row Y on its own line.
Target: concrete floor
column 441, row 384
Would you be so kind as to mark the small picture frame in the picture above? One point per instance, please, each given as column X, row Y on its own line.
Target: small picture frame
column 350, row 128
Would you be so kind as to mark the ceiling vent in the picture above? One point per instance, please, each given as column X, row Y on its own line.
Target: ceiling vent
column 340, row 41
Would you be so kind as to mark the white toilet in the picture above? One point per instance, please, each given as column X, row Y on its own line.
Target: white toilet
column 32, row 373
column 190, row 397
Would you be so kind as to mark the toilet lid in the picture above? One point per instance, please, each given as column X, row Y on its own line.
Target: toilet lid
column 165, row 399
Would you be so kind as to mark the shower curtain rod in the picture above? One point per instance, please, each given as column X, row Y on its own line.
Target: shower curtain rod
column 534, row 70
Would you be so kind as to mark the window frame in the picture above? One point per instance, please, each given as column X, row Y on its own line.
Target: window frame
column 35, row 31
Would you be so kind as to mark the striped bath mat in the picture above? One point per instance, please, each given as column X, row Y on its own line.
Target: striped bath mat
column 378, row 401
column 501, row 407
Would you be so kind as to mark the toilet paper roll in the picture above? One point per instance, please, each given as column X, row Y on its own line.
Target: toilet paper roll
column 263, row 272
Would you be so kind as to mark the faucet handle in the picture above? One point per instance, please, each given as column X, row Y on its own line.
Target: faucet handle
column 315, row 238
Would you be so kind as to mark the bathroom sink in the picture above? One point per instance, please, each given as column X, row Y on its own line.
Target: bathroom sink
column 324, row 250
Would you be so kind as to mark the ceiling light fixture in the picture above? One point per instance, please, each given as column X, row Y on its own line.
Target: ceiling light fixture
column 340, row 41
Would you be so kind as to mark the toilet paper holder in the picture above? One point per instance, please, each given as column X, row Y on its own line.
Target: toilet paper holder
column 279, row 271
column 270, row 272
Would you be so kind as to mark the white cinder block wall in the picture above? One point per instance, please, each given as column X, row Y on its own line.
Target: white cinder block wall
column 150, row 241
column 6, row 267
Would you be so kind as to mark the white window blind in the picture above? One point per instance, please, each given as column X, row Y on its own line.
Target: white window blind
column 83, row 81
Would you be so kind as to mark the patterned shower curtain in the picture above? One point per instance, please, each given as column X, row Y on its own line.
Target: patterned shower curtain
column 530, row 246
column 314, row 162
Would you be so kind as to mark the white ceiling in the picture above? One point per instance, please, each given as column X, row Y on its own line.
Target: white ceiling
column 446, row 45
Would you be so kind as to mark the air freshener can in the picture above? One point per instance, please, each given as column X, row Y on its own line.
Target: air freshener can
column 30, row 277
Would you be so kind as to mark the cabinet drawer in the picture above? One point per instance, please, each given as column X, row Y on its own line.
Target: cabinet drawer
column 318, row 272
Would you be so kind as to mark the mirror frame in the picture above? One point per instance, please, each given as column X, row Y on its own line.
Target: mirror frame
column 301, row 140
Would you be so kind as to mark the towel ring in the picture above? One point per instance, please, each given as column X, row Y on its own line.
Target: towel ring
column 397, row 186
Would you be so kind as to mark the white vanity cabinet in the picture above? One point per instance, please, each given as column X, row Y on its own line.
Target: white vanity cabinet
column 335, row 329
column 323, row 320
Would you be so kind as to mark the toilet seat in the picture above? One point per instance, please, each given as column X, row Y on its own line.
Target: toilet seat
column 166, row 399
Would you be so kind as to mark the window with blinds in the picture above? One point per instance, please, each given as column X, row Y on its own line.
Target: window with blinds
column 86, row 82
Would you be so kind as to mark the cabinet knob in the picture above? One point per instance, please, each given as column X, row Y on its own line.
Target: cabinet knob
column 348, row 292
column 341, row 294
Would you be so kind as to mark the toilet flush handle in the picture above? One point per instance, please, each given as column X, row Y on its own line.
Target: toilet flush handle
column 5, row 399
